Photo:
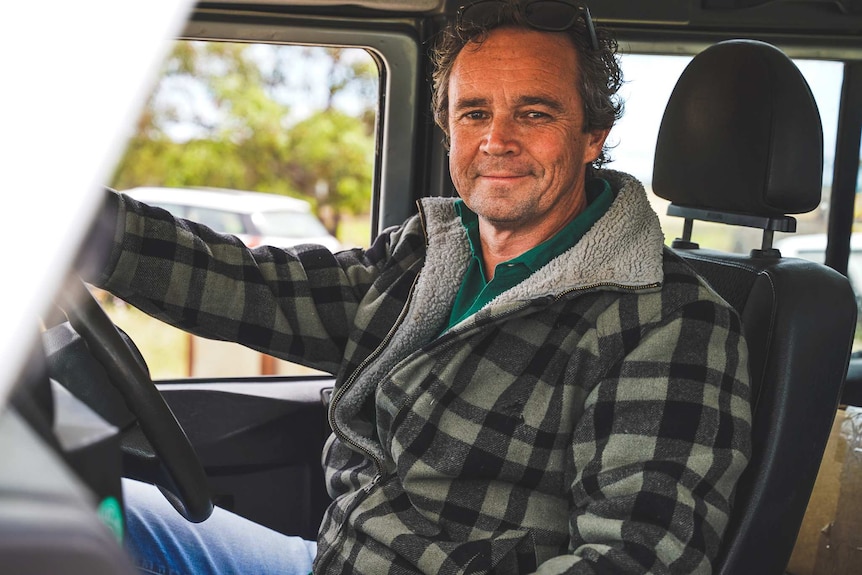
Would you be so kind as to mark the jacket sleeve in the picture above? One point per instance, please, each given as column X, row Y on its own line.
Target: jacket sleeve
column 296, row 304
column 664, row 438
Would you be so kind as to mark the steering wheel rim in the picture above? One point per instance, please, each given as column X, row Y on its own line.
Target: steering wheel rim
column 182, row 479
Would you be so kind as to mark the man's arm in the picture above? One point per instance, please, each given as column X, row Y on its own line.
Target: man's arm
column 664, row 438
column 295, row 304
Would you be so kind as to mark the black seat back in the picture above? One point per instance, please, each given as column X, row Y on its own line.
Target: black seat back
column 741, row 143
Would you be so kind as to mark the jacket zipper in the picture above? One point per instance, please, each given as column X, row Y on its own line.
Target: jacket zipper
column 352, row 379
column 339, row 541
column 325, row 561
column 607, row 284
column 368, row 359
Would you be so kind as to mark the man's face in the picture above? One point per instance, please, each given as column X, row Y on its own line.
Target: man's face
column 515, row 120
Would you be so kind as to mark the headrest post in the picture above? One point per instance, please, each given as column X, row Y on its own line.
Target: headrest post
column 766, row 244
column 687, row 228
column 685, row 243
column 766, row 250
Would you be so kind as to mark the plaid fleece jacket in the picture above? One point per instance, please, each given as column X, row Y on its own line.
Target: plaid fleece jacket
column 593, row 419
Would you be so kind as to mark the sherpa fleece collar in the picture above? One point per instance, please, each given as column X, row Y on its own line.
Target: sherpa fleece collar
column 624, row 247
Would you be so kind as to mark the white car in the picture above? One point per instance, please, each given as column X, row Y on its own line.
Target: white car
column 256, row 218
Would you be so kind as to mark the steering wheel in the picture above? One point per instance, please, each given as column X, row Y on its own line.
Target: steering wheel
column 157, row 451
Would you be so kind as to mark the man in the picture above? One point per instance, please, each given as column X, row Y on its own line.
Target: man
column 526, row 380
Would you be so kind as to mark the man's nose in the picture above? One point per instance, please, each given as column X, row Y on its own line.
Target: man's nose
column 501, row 137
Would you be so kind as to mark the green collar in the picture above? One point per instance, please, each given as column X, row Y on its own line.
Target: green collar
column 475, row 291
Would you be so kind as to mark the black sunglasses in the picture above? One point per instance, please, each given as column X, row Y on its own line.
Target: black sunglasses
column 545, row 15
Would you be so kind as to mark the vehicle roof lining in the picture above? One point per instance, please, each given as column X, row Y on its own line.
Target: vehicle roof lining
column 631, row 39
column 846, row 14
column 394, row 6
column 822, row 29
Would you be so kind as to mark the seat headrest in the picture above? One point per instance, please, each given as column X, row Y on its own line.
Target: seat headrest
column 741, row 133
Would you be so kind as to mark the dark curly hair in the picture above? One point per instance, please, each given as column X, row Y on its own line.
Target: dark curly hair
column 600, row 73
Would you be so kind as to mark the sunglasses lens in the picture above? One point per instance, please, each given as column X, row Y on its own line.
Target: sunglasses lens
column 484, row 13
column 550, row 15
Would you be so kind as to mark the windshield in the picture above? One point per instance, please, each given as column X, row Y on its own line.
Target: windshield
column 285, row 223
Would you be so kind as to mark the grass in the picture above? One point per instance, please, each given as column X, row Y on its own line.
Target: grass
column 171, row 353
column 165, row 348
column 355, row 231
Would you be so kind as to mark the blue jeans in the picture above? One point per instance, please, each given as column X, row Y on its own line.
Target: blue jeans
column 162, row 542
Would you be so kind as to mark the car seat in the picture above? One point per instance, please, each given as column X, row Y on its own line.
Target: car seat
column 741, row 143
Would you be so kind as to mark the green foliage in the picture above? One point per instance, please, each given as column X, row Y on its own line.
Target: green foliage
column 332, row 149
column 251, row 117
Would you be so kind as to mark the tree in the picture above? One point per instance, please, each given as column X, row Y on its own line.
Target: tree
column 292, row 120
column 330, row 152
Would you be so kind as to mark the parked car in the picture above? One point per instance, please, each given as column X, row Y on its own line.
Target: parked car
column 252, row 444
column 254, row 217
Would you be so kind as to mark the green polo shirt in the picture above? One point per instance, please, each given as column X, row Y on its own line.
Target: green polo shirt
column 476, row 291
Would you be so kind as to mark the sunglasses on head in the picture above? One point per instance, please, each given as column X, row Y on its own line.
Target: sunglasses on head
column 545, row 15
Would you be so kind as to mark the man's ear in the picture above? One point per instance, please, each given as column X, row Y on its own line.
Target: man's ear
column 595, row 142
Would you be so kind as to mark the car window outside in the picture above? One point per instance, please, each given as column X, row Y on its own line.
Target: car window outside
column 292, row 120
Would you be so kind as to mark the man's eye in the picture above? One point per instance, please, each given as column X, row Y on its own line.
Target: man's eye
column 475, row 115
column 536, row 115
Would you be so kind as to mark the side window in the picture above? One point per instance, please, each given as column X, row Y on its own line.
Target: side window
column 297, row 121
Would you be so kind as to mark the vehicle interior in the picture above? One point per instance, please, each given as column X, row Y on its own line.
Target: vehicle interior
column 744, row 149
